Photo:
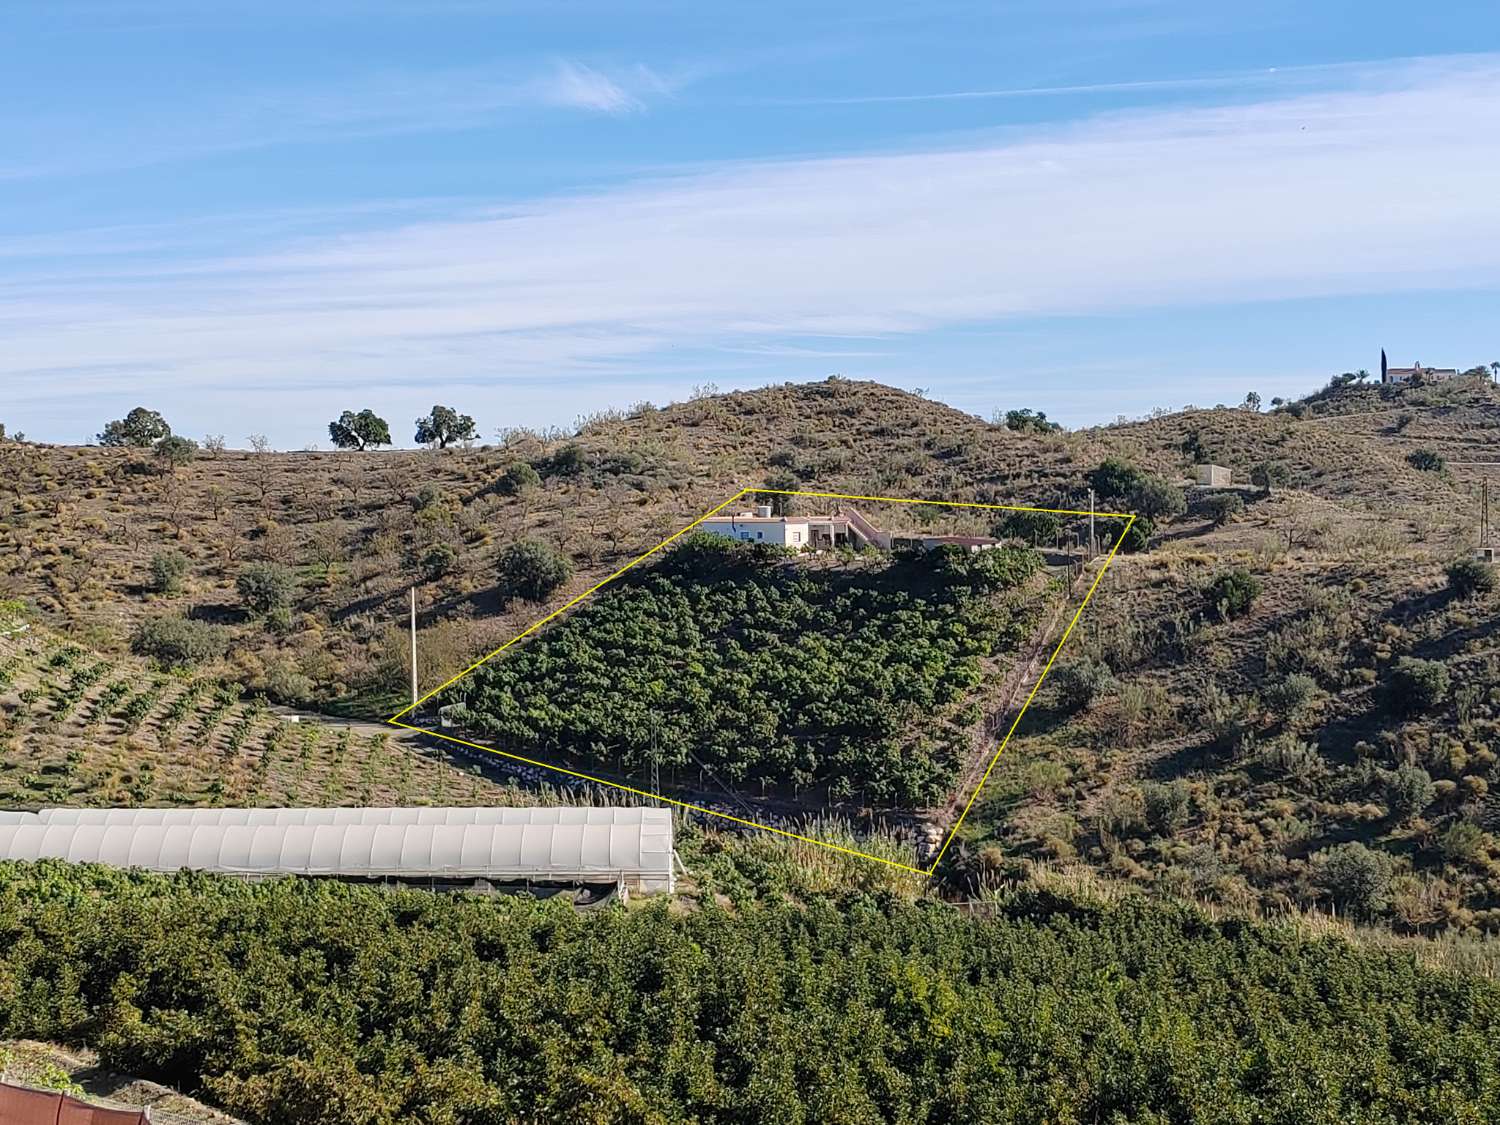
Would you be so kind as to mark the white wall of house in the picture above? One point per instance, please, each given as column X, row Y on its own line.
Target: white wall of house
column 758, row 529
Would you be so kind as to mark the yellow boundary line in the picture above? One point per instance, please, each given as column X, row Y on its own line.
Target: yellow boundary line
column 1130, row 518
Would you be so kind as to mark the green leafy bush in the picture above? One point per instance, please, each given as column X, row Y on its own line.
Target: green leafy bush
column 1114, row 479
column 438, row 560
column 1270, row 475
column 1221, row 507
column 1355, row 877
column 1080, row 683
column 1408, row 792
column 264, row 586
column 568, row 461
column 178, row 641
column 516, row 478
column 168, row 569
column 1232, row 593
column 1414, row 685
column 141, row 428
column 531, row 569
column 1470, row 576
column 174, row 451
column 1156, row 499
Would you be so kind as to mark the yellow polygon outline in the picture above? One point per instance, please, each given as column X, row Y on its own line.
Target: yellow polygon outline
column 395, row 720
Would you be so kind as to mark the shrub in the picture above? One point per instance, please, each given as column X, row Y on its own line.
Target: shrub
column 1034, row 421
column 1137, row 536
column 1114, row 478
column 1463, row 842
column 1167, row 805
column 1270, row 475
column 1290, row 697
column 532, row 570
column 264, row 586
column 1470, row 576
column 1355, row 877
column 1291, row 759
column 429, row 495
column 287, row 682
column 1034, row 527
column 1232, row 593
column 1157, row 499
column 1221, row 507
column 176, row 641
column 173, row 452
column 1079, row 684
column 1409, row 792
column 568, row 461
column 1414, row 686
column 516, row 478
column 1425, row 459
column 438, row 560
column 168, row 569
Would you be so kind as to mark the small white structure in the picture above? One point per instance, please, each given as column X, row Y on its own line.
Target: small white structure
column 627, row 848
column 797, row 532
column 846, row 526
column 1212, row 476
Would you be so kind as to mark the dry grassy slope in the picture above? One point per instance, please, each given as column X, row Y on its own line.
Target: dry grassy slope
column 1341, row 606
column 80, row 524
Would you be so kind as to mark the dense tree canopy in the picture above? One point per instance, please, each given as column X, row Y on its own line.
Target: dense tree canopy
column 297, row 1003
column 141, row 428
column 731, row 660
column 357, row 431
column 443, row 425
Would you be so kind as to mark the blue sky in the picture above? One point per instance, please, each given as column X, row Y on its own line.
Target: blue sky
column 252, row 215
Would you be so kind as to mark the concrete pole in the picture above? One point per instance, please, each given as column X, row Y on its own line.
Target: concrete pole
column 413, row 646
column 1093, row 543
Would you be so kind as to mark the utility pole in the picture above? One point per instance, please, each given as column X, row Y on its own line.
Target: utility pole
column 1093, row 543
column 1484, row 513
column 413, row 646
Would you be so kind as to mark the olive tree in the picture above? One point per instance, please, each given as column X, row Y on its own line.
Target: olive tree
column 141, row 428
column 442, row 425
column 359, row 431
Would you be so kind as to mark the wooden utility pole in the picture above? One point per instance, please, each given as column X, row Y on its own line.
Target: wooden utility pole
column 1484, row 513
column 1093, row 542
column 413, row 646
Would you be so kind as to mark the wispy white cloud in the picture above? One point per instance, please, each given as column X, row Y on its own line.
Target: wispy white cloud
column 1388, row 187
column 387, row 104
column 581, row 87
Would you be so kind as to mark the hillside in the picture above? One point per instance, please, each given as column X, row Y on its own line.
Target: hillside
column 1223, row 758
column 1257, row 795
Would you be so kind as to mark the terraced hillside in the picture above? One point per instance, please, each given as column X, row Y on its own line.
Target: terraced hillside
column 81, row 728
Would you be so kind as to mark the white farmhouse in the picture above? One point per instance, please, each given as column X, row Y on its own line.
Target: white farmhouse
column 760, row 526
column 819, row 533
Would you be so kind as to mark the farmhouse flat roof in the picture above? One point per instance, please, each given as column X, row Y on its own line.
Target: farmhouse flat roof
column 749, row 518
